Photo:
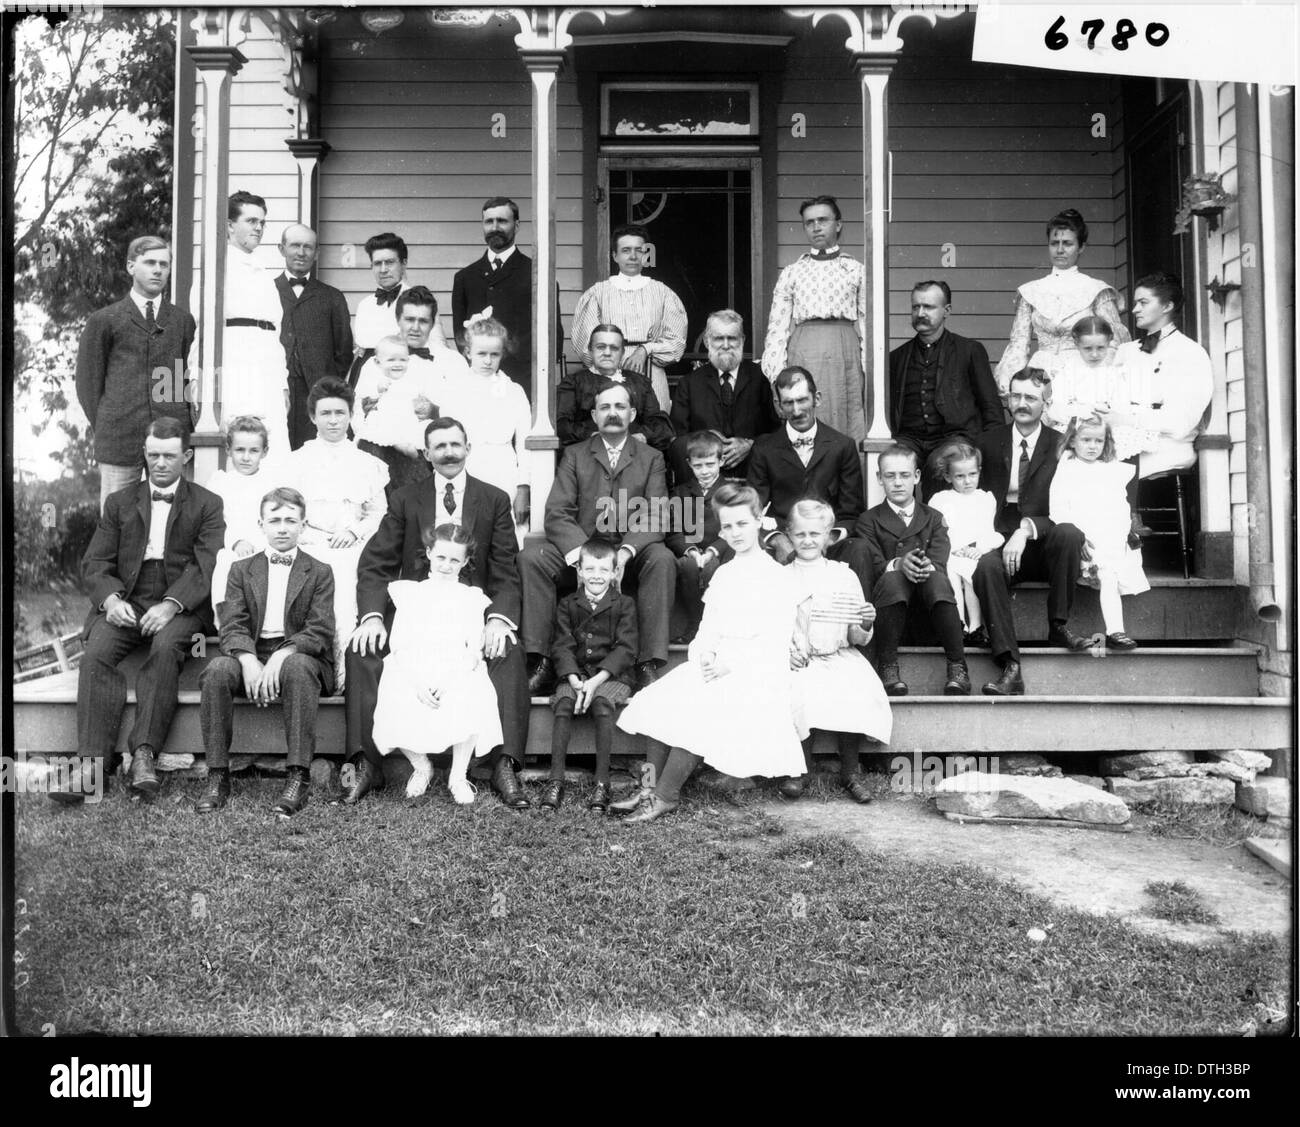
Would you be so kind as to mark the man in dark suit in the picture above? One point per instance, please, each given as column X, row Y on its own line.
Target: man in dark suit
column 807, row 458
column 612, row 487
column 131, row 366
column 1018, row 463
column 395, row 551
column 502, row 279
column 316, row 328
column 277, row 642
column 728, row 395
column 148, row 572
column 576, row 395
column 941, row 388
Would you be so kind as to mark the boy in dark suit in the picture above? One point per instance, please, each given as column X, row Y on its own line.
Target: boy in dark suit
column 694, row 536
column 277, row 643
column 593, row 651
column 148, row 572
column 909, row 546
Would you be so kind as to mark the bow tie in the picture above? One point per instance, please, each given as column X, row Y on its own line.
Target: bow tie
column 1148, row 343
column 906, row 516
column 423, row 353
column 286, row 560
column 165, row 498
column 387, row 297
column 801, row 442
column 298, row 279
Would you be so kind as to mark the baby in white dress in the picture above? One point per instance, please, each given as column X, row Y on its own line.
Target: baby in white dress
column 969, row 513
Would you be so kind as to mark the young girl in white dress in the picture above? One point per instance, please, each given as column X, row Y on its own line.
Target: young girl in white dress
column 494, row 412
column 729, row 705
column 1089, row 492
column 1094, row 380
column 835, row 688
column 969, row 513
column 435, row 692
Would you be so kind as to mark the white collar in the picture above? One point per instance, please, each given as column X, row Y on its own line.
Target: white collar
column 501, row 256
column 140, row 300
column 291, row 279
column 793, row 435
column 457, row 483
column 629, row 281
column 1031, row 438
column 902, row 513
column 1056, row 270
column 618, row 448
column 617, row 376
column 332, row 449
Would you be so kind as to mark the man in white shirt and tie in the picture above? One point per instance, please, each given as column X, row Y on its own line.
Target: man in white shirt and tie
column 1018, row 463
column 277, row 644
column 148, row 572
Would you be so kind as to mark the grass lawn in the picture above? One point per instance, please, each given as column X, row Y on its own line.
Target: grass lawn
column 391, row 918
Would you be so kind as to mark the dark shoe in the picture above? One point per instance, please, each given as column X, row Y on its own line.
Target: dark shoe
column 647, row 673
column 216, row 794
column 793, row 787
column 76, row 783
column 1120, row 641
column 858, row 789
column 599, row 797
column 1061, row 635
column 651, row 810
column 541, row 682
column 369, row 777
column 552, row 795
column 294, row 796
column 506, row 783
column 633, row 801
column 1009, row 683
column 977, row 638
column 144, row 776
column 958, row 683
column 894, row 684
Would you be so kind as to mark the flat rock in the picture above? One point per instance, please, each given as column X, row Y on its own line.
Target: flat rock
column 1226, row 770
column 175, row 761
column 983, row 795
column 1027, row 763
column 1255, row 760
column 1169, row 771
column 1273, row 852
column 1088, row 780
column 1267, row 795
column 1194, row 791
column 324, row 776
column 1118, row 764
column 272, row 764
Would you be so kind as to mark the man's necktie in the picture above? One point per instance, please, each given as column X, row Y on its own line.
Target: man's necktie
column 148, row 314
column 449, row 500
column 421, row 352
column 1022, row 470
column 1148, row 343
column 286, row 560
column 906, row 517
column 496, row 264
column 613, row 456
column 387, row 297
column 165, row 498
column 805, row 442
column 728, row 395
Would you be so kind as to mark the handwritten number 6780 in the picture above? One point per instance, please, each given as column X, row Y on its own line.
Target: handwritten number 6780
column 1157, row 34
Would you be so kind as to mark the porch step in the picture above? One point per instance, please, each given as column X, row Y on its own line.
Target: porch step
column 1149, row 699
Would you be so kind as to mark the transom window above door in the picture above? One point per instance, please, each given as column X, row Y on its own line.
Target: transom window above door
column 676, row 110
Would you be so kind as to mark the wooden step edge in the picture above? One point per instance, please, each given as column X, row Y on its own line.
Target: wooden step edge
column 1146, row 649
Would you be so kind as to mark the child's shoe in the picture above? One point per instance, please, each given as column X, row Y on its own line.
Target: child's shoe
column 859, row 789
column 462, row 790
column 634, row 800
column 958, row 682
column 894, row 684
column 1120, row 641
column 553, row 795
column 599, row 798
column 651, row 810
column 421, row 774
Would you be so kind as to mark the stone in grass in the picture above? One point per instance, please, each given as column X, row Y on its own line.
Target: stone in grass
column 272, row 764
column 1233, row 771
column 1254, row 760
column 1271, row 852
column 983, row 795
column 1192, row 791
column 1118, row 764
column 1267, row 795
column 1088, row 781
column 175, row 761
column 1027, row 763
column 240, row 763
column 324, row 776
column 1172, row 771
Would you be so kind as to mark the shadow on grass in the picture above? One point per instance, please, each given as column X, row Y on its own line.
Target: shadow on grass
column 428, row 918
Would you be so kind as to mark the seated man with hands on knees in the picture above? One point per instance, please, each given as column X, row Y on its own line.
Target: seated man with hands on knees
column 277, row 645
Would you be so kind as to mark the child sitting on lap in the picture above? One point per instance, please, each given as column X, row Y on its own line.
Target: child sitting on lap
column 593, row 653
column 730, row 704
column 696, row 543
column 835, row 688
column 435, row 692
column 396, row 400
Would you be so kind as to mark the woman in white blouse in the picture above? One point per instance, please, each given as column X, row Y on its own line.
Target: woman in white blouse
column 1047, row 308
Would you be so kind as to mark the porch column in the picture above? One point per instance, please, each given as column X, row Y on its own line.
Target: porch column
column 544, row 70
column 873, row 76
column 308, row 152
column 216, row 64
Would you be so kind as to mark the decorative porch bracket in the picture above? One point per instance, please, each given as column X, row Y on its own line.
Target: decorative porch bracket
column 874, row 45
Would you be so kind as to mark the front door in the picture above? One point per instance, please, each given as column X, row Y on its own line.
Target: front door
column 701, row 214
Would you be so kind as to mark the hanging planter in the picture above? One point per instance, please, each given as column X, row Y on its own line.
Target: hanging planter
column 1203, row 196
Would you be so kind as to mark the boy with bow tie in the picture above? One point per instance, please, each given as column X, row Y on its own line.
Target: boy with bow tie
column 277, row 644
column 909, row 545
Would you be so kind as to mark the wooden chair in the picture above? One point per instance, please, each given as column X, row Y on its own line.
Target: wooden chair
column 1163, row 526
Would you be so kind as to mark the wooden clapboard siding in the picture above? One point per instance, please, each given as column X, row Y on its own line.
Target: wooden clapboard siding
column 409, row 118
column 982, row 157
